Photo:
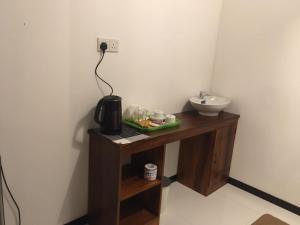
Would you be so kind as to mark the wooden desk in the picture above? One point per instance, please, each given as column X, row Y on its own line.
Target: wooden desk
column 118, row 194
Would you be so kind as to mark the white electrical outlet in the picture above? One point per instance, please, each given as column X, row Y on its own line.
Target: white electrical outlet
column 112, row 44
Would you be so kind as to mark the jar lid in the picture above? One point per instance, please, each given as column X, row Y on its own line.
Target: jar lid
column 151, row 166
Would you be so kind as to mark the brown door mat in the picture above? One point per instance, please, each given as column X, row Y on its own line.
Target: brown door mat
column 269, row 220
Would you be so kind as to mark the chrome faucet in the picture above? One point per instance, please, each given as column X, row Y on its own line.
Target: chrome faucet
column 203, row 94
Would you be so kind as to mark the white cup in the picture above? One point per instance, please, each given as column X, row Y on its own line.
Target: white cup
column 150, row 172
column 170, row 119
column 158, row 117
column 158, row 114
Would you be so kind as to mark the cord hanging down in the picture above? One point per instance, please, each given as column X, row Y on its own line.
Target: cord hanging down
column 11, row 195
column 103, row 47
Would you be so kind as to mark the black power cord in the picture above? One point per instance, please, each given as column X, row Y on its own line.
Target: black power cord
column 103, row 48
column 11, row 195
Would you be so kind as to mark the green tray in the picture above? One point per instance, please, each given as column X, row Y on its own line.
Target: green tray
column 151, row 129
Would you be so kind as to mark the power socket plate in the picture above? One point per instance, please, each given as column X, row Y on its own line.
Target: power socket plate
column 112, row 44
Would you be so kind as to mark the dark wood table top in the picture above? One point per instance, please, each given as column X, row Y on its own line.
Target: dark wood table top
column 192, row 124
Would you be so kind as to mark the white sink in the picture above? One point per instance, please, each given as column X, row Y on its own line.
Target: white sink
column 210, row 105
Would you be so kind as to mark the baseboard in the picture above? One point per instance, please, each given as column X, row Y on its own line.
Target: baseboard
column 80, row 221
column 173, row 178
column 268, row 197
column 261, row 194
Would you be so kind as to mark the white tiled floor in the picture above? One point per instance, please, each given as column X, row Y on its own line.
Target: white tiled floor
column 227, row 206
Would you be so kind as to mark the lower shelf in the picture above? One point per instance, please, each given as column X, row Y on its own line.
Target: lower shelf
column 136, row 185
column 141, row 217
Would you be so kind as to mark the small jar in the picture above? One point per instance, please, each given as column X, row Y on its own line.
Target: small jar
column 150, row 172
column 170, row 119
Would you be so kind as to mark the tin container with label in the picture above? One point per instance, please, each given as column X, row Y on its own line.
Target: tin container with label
column 150, row 172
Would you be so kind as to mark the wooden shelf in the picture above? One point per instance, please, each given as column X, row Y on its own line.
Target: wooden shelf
column 140, row 217
column 204, row 164
column 142, row 208
column 135, row 185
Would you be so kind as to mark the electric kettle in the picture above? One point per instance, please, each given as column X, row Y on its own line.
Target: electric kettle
column 108, row 114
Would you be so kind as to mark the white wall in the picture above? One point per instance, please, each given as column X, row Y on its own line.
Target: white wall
column 257, row 65
column 47, row 87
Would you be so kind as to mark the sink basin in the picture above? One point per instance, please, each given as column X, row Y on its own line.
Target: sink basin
column 210, row 105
